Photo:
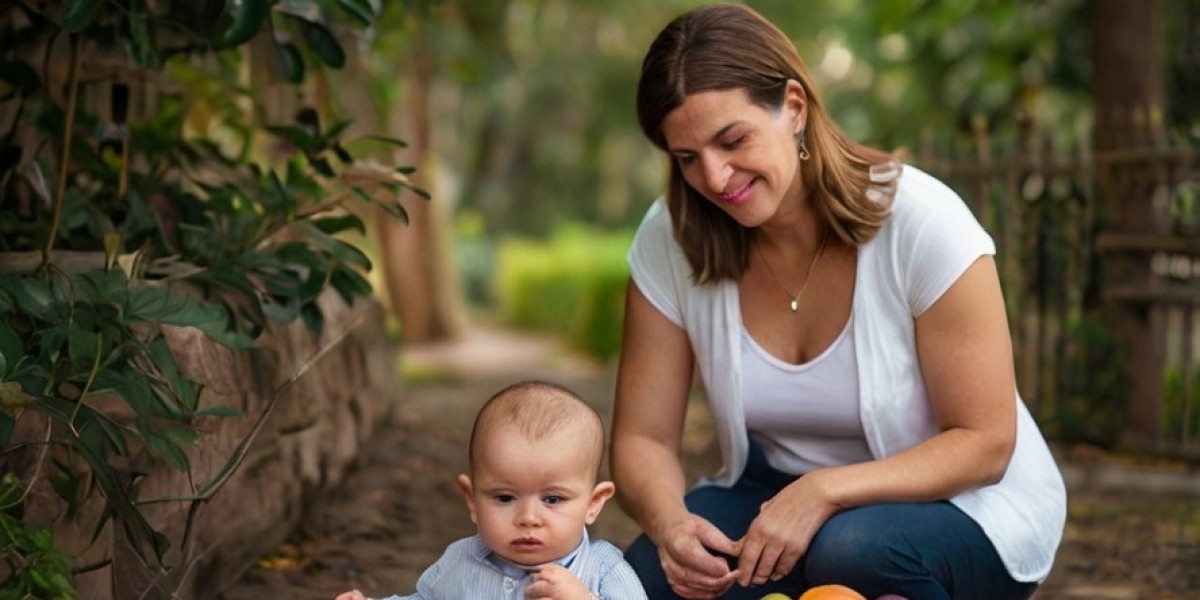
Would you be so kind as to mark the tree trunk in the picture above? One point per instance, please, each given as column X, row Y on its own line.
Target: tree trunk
column 419, row 272
column 1128, row 55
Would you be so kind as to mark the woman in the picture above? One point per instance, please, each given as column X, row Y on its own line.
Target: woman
column 846, row 320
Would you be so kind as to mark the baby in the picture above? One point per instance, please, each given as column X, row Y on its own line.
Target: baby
column 535, row 456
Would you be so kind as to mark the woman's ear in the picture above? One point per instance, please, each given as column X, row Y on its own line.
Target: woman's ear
column 600, row 494
column 464, row 484
column 795, row 99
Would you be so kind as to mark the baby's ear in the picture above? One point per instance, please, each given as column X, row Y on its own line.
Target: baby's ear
column 600, row 494
column 464, row 484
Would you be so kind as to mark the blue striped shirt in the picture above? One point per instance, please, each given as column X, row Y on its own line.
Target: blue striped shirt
column 469, row 570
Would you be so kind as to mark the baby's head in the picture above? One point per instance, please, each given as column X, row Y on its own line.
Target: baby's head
column 535, row 455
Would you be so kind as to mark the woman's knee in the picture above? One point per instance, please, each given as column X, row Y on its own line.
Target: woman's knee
column 857, row 544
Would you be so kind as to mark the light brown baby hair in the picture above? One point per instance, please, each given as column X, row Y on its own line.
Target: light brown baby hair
column 539, row 409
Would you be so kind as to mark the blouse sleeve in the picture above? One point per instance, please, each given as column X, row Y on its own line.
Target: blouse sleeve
column 654, row 263
column 938, row 237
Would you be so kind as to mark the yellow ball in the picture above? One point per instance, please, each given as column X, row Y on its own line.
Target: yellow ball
column 775, row 596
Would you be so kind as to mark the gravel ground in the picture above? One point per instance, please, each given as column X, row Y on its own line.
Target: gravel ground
column 1133, row 530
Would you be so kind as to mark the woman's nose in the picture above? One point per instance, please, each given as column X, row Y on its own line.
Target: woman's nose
column 716, row 173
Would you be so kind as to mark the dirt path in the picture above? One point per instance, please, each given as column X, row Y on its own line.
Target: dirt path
column 1133, row 532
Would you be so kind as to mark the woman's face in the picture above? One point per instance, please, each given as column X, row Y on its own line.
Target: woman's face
column 738, row 155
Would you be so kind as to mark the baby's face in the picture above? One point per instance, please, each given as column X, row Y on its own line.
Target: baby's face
column 532, row 500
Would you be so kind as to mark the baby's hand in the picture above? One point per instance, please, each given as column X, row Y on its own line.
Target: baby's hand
column 554, row 582
column 352, row 595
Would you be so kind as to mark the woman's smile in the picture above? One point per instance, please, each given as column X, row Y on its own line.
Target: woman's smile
column 739, row 195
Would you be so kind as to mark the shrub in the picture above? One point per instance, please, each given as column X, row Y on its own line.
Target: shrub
column 573, row 284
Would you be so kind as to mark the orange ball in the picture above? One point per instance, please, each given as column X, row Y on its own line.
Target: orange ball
column 831, row 592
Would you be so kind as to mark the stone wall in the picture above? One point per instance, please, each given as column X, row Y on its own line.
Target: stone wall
column 304, row 446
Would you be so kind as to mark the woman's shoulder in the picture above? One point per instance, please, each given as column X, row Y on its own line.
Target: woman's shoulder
column 916, row 188
column 657, row 217
column 655, row 234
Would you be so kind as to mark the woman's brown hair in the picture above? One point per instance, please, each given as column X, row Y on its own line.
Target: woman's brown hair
column 730, row 46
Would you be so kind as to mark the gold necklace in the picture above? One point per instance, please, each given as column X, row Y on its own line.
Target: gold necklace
column 795, row 299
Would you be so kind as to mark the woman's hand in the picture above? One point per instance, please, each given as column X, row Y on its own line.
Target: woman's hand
column 689, row 549
column 783, row 530
column 556, row 583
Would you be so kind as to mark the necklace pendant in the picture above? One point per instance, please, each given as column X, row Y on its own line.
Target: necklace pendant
column 795, row 304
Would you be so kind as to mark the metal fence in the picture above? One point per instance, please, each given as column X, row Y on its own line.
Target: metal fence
column 1104, row 308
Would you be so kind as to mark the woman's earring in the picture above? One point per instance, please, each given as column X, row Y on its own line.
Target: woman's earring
column 804, row 155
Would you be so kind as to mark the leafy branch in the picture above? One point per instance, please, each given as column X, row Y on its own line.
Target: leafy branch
column 153, row 223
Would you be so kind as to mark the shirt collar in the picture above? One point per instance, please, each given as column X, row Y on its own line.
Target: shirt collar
column 481, row 552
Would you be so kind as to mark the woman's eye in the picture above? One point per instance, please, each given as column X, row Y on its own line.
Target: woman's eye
column 685, row 160
column 733, row 144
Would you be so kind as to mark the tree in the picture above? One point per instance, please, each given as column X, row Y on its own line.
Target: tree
column 1128, row 54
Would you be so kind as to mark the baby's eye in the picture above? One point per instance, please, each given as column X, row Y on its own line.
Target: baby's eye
column 504, row 498
column 553, row 499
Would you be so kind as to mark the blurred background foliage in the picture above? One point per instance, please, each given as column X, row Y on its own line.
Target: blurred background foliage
column 533, row 127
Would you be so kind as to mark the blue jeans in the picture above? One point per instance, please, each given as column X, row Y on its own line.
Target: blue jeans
column 921, row 551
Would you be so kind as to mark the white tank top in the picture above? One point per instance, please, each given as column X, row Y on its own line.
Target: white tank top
column 804, row 416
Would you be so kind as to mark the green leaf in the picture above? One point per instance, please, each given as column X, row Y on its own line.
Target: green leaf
column 31, row 296
column 396, row 209
column 322, row 166
column 337, row 129
column 211, row 319
column 301, row 257
column 180, row 390
column 314, row 320
column 6, row 427
column 298, row 137
column 360, row 10
column 112, row 434
column 66, row 485
column 282, row 283
column 349, row 284
column 332, row 225
column 11, row 349
column 247, row 18
column 111, row 285
column 285, row 311
column 78, row 13
column 164, row 447
column 323, row 43
column 288, row 63
column 82, row 347
column 416, row 190
column 343, row 252
column 20, row 77
column 135, row 390
column 394, row 141
column 180, row 433
column 6, row 302
column 49, row 343
column 343, row 154
column 142, row 43
column 149, row 304
column 120, row 503
column 12, row 396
